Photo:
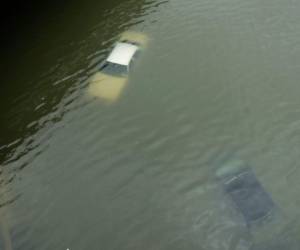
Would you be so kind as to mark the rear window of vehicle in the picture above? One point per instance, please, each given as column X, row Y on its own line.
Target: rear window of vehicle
column 130, row 42
column 114, row 69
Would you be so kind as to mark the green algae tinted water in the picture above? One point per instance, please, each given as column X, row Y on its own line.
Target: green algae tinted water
column 217, row 77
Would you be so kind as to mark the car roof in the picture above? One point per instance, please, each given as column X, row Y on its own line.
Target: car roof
column 122, row 53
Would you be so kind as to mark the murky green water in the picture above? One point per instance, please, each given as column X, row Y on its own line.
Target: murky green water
column 218, row 77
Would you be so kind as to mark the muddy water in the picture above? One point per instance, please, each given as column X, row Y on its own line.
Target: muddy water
column 217, row 78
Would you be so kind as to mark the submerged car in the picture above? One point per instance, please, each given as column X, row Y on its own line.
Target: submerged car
column 248, row 195
column 109, row 82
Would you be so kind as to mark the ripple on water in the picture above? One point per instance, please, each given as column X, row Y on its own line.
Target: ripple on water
column 138, row 174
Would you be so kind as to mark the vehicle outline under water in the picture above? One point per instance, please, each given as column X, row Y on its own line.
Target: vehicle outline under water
column 109, row 82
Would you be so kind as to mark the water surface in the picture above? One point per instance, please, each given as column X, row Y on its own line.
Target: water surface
column 218, row 77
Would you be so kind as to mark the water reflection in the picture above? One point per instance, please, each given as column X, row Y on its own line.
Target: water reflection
column 39, row 97
column 53, row 68
column 137, row 174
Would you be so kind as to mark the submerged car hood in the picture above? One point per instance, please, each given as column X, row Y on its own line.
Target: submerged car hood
column 106, row 87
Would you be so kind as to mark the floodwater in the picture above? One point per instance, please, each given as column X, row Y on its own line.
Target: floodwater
column 217, row 78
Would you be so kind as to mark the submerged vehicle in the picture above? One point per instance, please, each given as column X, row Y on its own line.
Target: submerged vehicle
column 109, row 82
column 246, row 192
column 262, row 217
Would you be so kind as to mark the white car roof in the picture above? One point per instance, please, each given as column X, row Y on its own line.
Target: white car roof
column 122, row 53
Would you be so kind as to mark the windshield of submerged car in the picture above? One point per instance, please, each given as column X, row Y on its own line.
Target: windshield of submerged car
column 114, row 69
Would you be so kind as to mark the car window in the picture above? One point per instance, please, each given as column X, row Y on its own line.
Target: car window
column 130, row 42
column 114, row 69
